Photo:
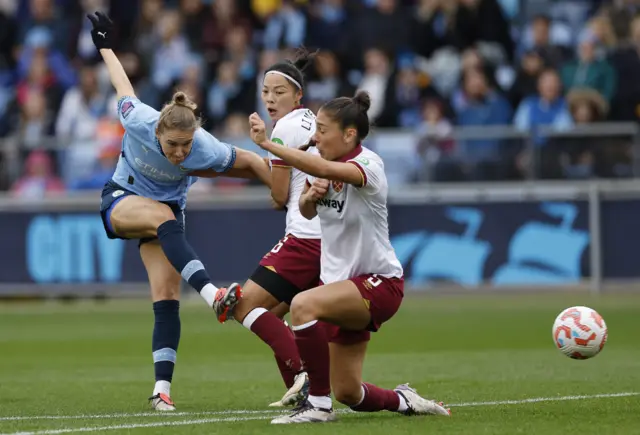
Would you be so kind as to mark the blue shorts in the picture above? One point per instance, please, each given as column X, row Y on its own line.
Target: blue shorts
column 112, row 193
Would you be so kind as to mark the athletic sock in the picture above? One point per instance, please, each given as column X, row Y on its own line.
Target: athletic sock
column 184, row 259
column 377, row 399
column 272, row 330
column 164, row 344
column 311, row 339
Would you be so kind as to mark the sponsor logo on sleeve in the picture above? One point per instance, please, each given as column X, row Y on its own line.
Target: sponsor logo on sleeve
column 126, row 109
column 362, row 160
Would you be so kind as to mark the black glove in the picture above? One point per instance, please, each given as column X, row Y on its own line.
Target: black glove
column 102, row 32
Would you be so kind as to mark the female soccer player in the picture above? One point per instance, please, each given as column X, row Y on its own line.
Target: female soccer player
column 363, row 279
column 146, row 197
column 293, row 265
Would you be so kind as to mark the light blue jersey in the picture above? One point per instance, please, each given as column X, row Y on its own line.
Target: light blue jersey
column 143, row 168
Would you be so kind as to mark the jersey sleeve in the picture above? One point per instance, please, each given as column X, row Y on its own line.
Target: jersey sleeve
column 372, row 173
column 210, row 153
column 285, row 134
column 135, row 116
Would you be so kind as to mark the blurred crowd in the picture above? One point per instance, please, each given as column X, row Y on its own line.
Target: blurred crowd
column 430, row 66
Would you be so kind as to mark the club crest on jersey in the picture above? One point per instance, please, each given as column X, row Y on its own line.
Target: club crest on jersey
column 126, row 108
column 337, row 186
column 278, row 141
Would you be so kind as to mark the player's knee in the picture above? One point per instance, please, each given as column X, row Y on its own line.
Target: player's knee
column 349, row 395
column 253, row 297
column 165, row 291
column 160, row 214
column 243, row 307
column 154, row 216
column 303, row 309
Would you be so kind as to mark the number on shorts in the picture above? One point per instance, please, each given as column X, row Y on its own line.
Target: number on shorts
column 374, row 280
column 277, row 248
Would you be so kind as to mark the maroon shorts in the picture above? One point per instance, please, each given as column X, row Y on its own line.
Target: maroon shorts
column 296, row 260
column 382, row 296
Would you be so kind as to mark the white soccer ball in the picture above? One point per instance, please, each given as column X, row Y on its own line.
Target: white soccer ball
column 579, row 332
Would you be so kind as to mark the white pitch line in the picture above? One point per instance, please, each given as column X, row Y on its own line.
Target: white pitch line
column 546, row 399
column 135, row 414
column 255, row 417
column 140, row 425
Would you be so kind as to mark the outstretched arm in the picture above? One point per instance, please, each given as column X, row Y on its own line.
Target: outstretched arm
column 118, row 77
column 247, row 165
column 102, row 35
column 305, row 162
column 251, row 165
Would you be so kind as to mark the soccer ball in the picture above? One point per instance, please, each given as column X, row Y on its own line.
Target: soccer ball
column 579, row 332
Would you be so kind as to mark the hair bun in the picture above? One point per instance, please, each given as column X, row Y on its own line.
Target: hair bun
column 181, row 99
column 303, row 58
column 363, row 100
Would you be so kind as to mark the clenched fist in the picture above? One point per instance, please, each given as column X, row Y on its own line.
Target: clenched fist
column 318, row 189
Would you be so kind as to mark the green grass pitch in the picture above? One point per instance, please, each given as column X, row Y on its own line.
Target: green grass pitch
column 89, row 365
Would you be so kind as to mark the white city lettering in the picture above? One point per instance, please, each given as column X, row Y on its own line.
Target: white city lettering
column 153, row 172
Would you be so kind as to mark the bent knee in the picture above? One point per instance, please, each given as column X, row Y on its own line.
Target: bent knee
column 165, row 291
column 156, row 215
column 349, row 395
column 253, row 296
column 159, row 214
column 303, row 309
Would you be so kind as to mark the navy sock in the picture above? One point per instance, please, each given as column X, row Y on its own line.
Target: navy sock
column 181, row 255
column 166, row 336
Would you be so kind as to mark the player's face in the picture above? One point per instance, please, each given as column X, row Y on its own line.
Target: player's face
column 279, row 96
column 333, row 141
column 176, row 144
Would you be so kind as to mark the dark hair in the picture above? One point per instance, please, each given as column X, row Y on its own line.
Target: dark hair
column 179, row 114
column 308, row 145
column 295, row 68
column 351, row 112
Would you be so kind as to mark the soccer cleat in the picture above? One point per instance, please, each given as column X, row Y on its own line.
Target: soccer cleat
column 297, row 394
column 306, row 413
column 225, row 300
column 418, row 405
column 162, row 402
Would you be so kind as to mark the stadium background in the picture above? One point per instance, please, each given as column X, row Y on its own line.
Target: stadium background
column 502, row 182
column 479, row 105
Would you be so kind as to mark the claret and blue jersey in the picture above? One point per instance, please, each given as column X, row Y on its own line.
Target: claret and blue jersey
column 144, row 170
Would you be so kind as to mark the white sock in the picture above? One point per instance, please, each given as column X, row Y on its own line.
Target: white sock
column 320, row 401
column 403, row 403
column 252, row 317
column 208, row 293
column 162, row 387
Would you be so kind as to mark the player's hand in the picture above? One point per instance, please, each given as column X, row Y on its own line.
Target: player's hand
column 318, row 189
column 102, row 32
column 257, row 129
